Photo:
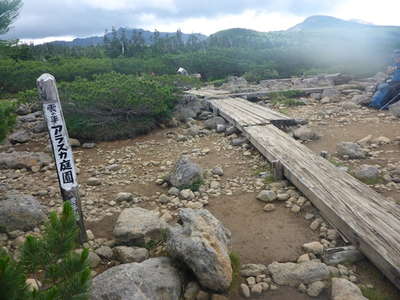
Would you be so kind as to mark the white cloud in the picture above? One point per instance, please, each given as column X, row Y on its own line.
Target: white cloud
column 168, row 5
column 382, row 12
column 250, row 19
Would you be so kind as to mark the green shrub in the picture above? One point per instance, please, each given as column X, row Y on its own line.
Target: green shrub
column 50, row 259
column 7, row 118
column 115, row 106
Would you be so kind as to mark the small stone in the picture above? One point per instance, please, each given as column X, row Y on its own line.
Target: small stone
column 248, row 270
column 93, row 181
column 257, row 289
column 90, row 235
column 251, row 281
column 173, row 191
column 245, row 291
column 163, row 199
column 124, row 197
column 303, row 258
column 88, row 145
column 269, row 207
column 266, row 196
column 264, row 286
column 315, row 288
column 315, row 224
column 105, row 252
column 295, row 209
column 302, row 288
column 74, row 143
column 187, row 194
column 218, row 171
column 131, row 254
column 283, row 197
column 314, row 247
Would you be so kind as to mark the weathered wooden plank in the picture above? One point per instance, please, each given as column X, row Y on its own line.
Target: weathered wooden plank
column 237, row 112
column 365, row 217
column 208, row 93
column 264, row 93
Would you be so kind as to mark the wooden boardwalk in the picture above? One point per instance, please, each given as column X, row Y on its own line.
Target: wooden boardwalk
column 363, row 216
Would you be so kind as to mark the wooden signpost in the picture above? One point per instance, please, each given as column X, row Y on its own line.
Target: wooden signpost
column 62, row 151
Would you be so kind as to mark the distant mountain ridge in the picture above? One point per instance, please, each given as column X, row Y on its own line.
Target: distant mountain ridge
column 129, row 32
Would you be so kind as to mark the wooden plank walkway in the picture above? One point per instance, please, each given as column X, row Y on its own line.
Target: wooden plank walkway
column 218, row 94
column 363, row 216
column 243, row 113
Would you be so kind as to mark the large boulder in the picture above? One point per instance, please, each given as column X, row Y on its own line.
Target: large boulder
column 343, row 289
column 214, row 122
column 366, row 172
column 20, row 212
column 137, row 226
column 185, row 173
column 293, row 274
column 155, row 279
column 305, row 134
column 19, row 137
column 23, row 160
column 202, row 243
column 351, row 150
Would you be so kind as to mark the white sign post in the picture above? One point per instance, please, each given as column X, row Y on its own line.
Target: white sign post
column 62, row 151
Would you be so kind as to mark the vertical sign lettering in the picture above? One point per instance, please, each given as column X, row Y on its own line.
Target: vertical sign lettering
column 62, row 151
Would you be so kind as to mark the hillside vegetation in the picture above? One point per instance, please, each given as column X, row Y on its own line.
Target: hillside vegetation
column 137, row 65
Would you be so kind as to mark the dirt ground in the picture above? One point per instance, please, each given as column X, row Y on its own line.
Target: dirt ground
column 257, row 236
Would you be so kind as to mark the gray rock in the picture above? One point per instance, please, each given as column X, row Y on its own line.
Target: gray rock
column 155, row 279
column 40, row 127
column 305, row 134
column 93, row 181
column 123, row 196
column 202, row 242
column 220, row 128
column 88, row 145
column 314, row 247
column 239, row 141
column 20, row 212
column 293, row 274
column 19, row 137
column 93, row 259
column 105, row 252
column 23, row 109
column 28, row 118
column 315, row 288
column 74, row 143
column 395, row 109
column 185, row 173
column 213, row 122
column 173, row 191
column 163, row 199
column 245, row 291
column 230, row 130
column 343, row 289
column 218, row 171
column 138, row 226
column 24, row 160
column 361, row 99
column 130, row 254
column 330, row 92
column 191, row 290
column 352, row 150
column 366, row 172
column 253, row 270
column 267, row 196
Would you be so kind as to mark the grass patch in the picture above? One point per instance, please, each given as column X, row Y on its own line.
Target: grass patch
column 373, row 294
column 286, row 98
column 7, row 118
column 371, row 181
column 235, row 264
column 152, row 244
column 336, row 163
column 194, row 187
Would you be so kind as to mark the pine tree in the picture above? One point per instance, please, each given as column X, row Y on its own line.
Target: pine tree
column 50, row 259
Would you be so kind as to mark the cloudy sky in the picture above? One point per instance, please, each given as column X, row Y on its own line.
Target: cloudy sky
column 43, row 20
